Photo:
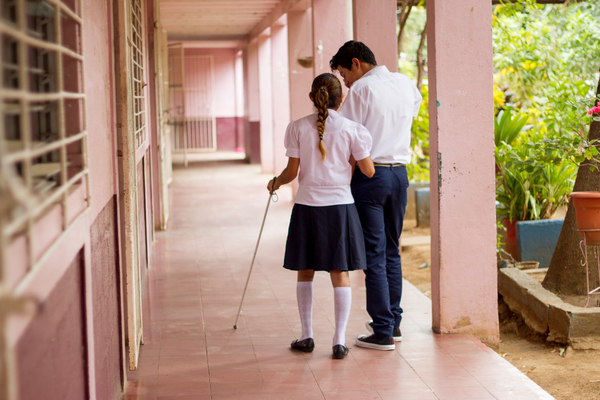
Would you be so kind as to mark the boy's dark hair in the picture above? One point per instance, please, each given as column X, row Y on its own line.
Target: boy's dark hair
column 352, row 49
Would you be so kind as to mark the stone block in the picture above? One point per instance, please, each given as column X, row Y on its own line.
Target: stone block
column 411, row 207
column 559, row 323
column 536, row 240
column 546, row 313
column 422, row 205
column 585, row 328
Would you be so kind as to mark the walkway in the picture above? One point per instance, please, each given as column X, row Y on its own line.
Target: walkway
column 193, row 292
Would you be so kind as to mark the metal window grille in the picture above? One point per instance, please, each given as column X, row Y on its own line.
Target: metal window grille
column 42, row 127
column 137, row 66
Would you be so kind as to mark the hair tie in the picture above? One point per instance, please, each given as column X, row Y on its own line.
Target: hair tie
column 323, row 88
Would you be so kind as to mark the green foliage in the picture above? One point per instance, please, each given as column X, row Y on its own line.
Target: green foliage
column 507, row 128
column 532, row 183
column 546, row 60
column 418, row 169
column 412, row 36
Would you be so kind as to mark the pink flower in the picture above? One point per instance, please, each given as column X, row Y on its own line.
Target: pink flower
column 594, row 109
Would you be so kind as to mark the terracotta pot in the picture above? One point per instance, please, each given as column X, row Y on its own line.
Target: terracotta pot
column 587, row 212
column 527, row 265
column 510, row 237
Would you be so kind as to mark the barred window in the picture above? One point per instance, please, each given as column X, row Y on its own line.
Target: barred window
column 43, row 120
column 137, row 67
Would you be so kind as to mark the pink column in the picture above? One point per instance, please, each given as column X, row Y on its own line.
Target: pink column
column 281, row 90
column 251, row 103
column 300, row 44
column 464, row 287
column 266, row 101
column 374, row 24
column 331, row 29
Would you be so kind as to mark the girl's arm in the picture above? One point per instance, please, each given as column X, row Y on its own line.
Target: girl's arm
column 366, row 167
column 287, row 175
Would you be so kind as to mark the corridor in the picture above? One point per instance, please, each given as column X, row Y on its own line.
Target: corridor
column 192, row 293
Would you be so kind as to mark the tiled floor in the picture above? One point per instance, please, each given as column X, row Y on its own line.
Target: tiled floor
column 194, row 287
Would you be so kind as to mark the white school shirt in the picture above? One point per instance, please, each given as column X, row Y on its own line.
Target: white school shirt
column 385, row 103
column 326, row 183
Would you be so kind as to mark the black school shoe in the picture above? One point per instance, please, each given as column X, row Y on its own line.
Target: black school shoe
column 306, row 345
column 339, row 351
column 371, row 342
column 395, row 333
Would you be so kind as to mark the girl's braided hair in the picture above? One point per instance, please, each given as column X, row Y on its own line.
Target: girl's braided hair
column 326, row 90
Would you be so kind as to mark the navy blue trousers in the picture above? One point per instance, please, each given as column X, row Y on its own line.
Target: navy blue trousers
column 381, row 202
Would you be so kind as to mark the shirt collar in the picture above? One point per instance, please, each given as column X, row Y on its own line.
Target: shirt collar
column 382, row 69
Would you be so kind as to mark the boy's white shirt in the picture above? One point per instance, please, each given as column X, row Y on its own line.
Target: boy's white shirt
column 385, row 103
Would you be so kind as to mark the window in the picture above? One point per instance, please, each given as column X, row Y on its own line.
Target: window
column 137, row 67
column 43, row 133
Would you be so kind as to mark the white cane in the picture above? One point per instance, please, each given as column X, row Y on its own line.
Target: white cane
column 255, row 250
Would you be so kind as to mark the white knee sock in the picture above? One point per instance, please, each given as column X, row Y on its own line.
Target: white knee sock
column 343, row 301
column 304, row 295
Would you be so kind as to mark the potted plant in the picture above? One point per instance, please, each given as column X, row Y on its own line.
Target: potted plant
column 528, row 189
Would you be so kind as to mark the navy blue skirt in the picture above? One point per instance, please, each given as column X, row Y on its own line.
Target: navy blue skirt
column 324, row 239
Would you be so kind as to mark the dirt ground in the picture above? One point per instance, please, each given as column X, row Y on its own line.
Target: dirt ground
column 565, row 373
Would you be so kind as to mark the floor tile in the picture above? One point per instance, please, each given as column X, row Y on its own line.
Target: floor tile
column 193, row 292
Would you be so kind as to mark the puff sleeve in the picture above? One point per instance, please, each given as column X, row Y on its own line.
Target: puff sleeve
column 291, row 141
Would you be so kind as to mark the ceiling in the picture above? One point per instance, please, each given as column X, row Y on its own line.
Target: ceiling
column 203, row 20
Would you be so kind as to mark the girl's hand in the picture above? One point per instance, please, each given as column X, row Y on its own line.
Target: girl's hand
column 272, row 186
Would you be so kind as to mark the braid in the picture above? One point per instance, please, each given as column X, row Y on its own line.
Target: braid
column 321, row 100
column 326, row 91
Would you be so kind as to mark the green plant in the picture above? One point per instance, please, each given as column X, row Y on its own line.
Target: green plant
column 527, row 186
column 507, row 128
column 418, row 169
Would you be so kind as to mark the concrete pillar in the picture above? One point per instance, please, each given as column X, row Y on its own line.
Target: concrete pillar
column 281, row 90
column 251, row 103
column 266, row 101
column 331, row 29
column 239, row 101
column 300, row 44
column 461, row 110
column 374, row 24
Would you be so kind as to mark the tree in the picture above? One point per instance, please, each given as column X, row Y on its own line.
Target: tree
column 566, row 275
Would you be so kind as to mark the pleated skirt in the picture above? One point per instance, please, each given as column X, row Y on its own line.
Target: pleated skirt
column 324, row 239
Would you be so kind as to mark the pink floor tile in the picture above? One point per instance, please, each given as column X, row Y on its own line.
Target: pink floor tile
column 192, row 295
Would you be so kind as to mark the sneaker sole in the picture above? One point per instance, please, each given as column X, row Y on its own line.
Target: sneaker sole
column 384, row 347
column 370, row 329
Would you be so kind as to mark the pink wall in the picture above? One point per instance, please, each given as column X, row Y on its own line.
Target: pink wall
column 228, row 76
column 97, row 40
column 371, row 20
column 464, row 287
column 52, row 352
column 224, row 70
column 106, row 296
column 56, row 349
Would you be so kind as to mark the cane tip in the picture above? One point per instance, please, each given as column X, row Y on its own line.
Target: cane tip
column 235, row 327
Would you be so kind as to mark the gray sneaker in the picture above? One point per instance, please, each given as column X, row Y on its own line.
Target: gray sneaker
column 396, row 333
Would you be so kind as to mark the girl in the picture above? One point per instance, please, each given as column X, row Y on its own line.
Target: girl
column 325, row 232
